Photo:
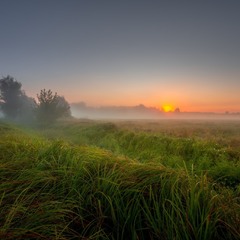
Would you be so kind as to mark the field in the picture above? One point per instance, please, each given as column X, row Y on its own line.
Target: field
column 82, row 179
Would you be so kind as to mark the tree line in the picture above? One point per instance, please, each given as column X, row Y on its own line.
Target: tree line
column 17, row 106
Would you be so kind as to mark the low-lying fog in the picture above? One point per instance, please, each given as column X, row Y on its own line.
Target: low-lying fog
column 81, row 110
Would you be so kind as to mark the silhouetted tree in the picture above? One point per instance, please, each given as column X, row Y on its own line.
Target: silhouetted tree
column 177, row 110
column 14, row 103
column 10, row 97
column 51, row 106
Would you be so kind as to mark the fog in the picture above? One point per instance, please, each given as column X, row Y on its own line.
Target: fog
column 81, row 110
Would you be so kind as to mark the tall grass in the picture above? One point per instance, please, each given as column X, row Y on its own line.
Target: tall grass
column 56, row 190
column 221, row 163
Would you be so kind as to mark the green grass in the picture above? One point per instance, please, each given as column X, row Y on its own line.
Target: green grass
column 220, row 161
column 101, row 181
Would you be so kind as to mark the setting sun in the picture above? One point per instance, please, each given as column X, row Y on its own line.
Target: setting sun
column 167, row 108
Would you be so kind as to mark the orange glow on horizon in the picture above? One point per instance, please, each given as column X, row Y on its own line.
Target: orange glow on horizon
column 171, row 101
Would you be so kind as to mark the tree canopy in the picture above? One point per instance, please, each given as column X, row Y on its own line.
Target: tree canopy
column 10, row 96
column 50, row 106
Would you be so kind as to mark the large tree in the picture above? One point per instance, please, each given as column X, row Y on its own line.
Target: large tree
column 14, row 103
column 10, row 97
column 51, row 106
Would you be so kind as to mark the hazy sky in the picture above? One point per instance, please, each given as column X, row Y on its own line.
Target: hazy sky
column 104, row 52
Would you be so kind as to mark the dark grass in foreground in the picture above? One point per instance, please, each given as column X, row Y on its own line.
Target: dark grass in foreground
column 56, row 190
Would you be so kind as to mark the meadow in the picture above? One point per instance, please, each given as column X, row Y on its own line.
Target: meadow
column 82, row 179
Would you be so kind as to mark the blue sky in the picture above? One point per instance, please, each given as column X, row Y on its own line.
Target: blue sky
column 184, row 53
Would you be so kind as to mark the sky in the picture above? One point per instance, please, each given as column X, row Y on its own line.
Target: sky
column 123, row 53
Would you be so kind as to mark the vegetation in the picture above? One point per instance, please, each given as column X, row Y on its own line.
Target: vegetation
column 13, row 101
column 51, row 107
column 18, row 107
column 92, row 180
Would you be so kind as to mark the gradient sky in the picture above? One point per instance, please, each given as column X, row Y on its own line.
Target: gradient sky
column 185, row 53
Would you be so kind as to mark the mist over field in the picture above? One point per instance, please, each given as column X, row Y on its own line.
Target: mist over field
column 119, row 120
column 81, row 110
column 79, row 172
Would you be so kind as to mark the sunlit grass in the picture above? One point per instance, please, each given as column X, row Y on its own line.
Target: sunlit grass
column 113, row 184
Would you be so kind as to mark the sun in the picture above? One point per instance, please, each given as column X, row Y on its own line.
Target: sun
column 167, row 108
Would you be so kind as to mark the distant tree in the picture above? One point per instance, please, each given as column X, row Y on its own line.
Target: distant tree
column 50, row 106
column 10, row 97
column 177, row 110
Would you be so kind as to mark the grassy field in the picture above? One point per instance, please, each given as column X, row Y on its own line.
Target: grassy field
column 120, row 180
